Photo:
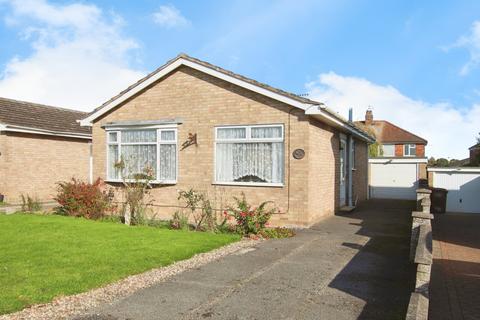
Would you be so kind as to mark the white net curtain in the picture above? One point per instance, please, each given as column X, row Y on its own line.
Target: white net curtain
column 138, row 151
column 250, row 155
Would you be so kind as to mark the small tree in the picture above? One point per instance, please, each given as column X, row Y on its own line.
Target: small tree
column 442, row 162
column 136, row 188
column 201, row 209
column 375, row 149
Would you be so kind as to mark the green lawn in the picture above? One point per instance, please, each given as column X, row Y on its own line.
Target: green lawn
column 42, row 257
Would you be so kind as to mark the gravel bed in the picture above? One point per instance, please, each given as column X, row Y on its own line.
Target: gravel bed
column 69, row 306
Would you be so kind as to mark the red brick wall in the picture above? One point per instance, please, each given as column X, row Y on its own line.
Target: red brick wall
column 420, row 150
column 399, row 150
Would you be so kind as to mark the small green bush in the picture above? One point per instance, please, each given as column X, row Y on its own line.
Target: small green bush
column 277, row 233
column 249, row 220
column 30, row 204
column 179, row 221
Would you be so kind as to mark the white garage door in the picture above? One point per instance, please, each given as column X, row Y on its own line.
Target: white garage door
column 393, row 180
column 463, row 187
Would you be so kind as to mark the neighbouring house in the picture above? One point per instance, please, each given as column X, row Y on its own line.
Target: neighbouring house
column 39, row 146
column 194, row 124
column 474, row 159
column 399, row 163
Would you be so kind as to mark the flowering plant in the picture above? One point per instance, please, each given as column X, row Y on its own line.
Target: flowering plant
column 81, row 199
column 249, row 220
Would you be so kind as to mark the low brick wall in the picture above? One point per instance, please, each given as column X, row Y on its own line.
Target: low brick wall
column 421, row 253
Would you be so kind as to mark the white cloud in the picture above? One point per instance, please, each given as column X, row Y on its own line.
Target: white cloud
column 449, row 131
column 471, row 42
column 79, row 57
column 170, row 17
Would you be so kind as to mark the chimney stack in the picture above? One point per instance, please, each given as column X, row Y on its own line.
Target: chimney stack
column 369, row 116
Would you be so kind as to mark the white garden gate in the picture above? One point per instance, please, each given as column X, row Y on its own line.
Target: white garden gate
column 463, row 185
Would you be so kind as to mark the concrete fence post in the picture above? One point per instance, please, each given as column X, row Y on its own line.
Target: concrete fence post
column 423, row 200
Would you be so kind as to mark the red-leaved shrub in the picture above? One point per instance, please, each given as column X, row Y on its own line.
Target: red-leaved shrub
column 81, row 199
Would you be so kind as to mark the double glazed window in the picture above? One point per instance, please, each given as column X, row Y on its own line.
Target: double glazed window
column 136, row 153
column 410, row 150
column 388, row 150
column 249, row 154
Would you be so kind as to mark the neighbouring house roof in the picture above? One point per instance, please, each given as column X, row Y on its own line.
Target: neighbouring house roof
column 386, row 132
column 28, row 117
column 475, row 146
column 312, row 108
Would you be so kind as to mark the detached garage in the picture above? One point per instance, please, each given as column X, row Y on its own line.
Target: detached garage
column 395, row 178
column 463, row 185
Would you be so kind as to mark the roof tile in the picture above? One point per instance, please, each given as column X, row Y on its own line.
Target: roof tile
column 39, row 116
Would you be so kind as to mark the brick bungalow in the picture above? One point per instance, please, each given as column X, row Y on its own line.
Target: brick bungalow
column 197, row 125
column 39, row 146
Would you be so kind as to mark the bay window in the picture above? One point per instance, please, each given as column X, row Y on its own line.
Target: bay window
column 249, row 155
column 137, row 153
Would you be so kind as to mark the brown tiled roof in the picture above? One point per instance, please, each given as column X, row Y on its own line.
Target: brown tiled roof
column 237, row 76
column 387, row 132
column 213, row 67
column 41, row 117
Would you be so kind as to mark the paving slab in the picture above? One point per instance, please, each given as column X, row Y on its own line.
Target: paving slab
column 455, row 279
column 346, row 267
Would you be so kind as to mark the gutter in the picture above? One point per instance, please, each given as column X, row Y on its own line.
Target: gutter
column 321, row 111
column 10, row 128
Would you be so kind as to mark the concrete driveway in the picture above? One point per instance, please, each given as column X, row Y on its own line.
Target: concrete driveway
column 346, row 267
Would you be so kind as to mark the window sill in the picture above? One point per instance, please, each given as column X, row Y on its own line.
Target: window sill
column 151, row 182
column 249, row 184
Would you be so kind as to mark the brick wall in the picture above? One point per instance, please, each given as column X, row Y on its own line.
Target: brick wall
column 399, row 150
column 420, row 150
column 32, row 164
column 475, row 156
column 204, row 102
column 323, row 184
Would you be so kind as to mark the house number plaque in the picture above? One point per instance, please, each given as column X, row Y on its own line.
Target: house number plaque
column 298, row 154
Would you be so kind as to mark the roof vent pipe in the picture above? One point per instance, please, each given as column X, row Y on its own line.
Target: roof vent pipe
column 350, row 115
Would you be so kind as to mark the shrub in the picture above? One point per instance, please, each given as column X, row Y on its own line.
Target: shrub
column 30, row 204
column 179, row 221
column 81, row 199
column 276, row 233
column 201, row 209
column 249, row 220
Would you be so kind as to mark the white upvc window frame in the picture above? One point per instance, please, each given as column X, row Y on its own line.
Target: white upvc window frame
column 382, row 149
column 409, row 146
column 119, row 143
column 248, row 139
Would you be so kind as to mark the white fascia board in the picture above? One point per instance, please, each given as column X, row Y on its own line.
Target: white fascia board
column 397, row 160
column 317, row 110
column 8, row 128
column 88, row 121
column 460, row 169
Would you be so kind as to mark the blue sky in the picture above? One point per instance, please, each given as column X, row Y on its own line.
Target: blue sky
column 416, row 63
